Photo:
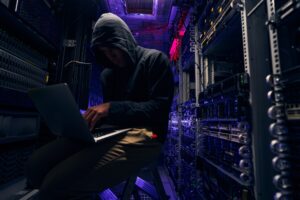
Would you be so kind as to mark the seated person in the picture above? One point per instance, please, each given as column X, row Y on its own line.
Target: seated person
column 138, row 91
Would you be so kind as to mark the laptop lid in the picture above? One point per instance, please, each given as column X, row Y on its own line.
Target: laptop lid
column 57, row 106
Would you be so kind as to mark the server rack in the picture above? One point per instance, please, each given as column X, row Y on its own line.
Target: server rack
column 224, row 107
column 24, row 64
column 283, row 24
column 31, row 57
column 180, row 151
column 232, row 59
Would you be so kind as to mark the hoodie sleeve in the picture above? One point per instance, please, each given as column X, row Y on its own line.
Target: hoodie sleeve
column 160, row 91
column 106, row 79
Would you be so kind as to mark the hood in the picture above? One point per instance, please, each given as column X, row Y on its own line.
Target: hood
column 111, row 31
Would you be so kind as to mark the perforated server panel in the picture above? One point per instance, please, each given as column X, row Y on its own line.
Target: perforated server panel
column 21, row 67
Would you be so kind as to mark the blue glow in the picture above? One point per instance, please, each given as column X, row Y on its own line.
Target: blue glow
column 117, row 7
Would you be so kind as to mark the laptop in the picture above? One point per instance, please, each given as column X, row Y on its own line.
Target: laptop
column 57, row 106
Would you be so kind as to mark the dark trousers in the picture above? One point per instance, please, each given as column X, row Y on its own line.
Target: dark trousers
column 66, row 169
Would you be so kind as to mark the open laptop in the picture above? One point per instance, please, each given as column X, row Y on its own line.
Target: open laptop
column 57, row 106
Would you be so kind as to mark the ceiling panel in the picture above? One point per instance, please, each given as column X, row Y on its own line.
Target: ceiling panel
column 150, row 30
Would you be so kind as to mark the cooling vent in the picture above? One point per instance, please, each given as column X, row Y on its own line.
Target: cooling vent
column 139, row 6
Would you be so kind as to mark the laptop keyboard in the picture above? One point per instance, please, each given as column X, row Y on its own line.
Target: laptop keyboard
column 98, row 134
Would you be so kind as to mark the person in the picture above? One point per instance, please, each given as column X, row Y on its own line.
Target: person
column 137, row 91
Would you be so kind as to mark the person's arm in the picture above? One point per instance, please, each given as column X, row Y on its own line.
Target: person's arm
column 95, row 113
column 160, row 92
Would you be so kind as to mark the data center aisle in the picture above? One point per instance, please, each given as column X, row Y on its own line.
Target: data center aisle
column 16, row 189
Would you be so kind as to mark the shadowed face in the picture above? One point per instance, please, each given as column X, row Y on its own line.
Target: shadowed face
column 116, row 56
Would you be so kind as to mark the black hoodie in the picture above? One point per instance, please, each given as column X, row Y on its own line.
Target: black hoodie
column 140, row 95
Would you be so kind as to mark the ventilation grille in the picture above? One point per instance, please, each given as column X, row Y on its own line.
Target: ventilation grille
column 139, row 6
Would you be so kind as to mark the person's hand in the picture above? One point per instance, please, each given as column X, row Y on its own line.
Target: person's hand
column 95, row 113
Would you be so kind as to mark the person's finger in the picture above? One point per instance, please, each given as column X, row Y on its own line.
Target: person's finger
column 96, row 117
column 87, row 112
column 90, row 116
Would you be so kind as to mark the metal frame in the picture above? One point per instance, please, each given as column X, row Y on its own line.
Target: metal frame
column 245, row 36
column 257, row 64
column 197, row 63
column 256, row 61
column 273, row 35
column 178, row 184
column 277, row 112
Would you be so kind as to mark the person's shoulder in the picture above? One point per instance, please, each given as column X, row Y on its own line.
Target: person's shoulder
column 153, row 54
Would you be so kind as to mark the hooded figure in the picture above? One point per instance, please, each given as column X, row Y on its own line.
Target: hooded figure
column 138, row 87
column 138, row 91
